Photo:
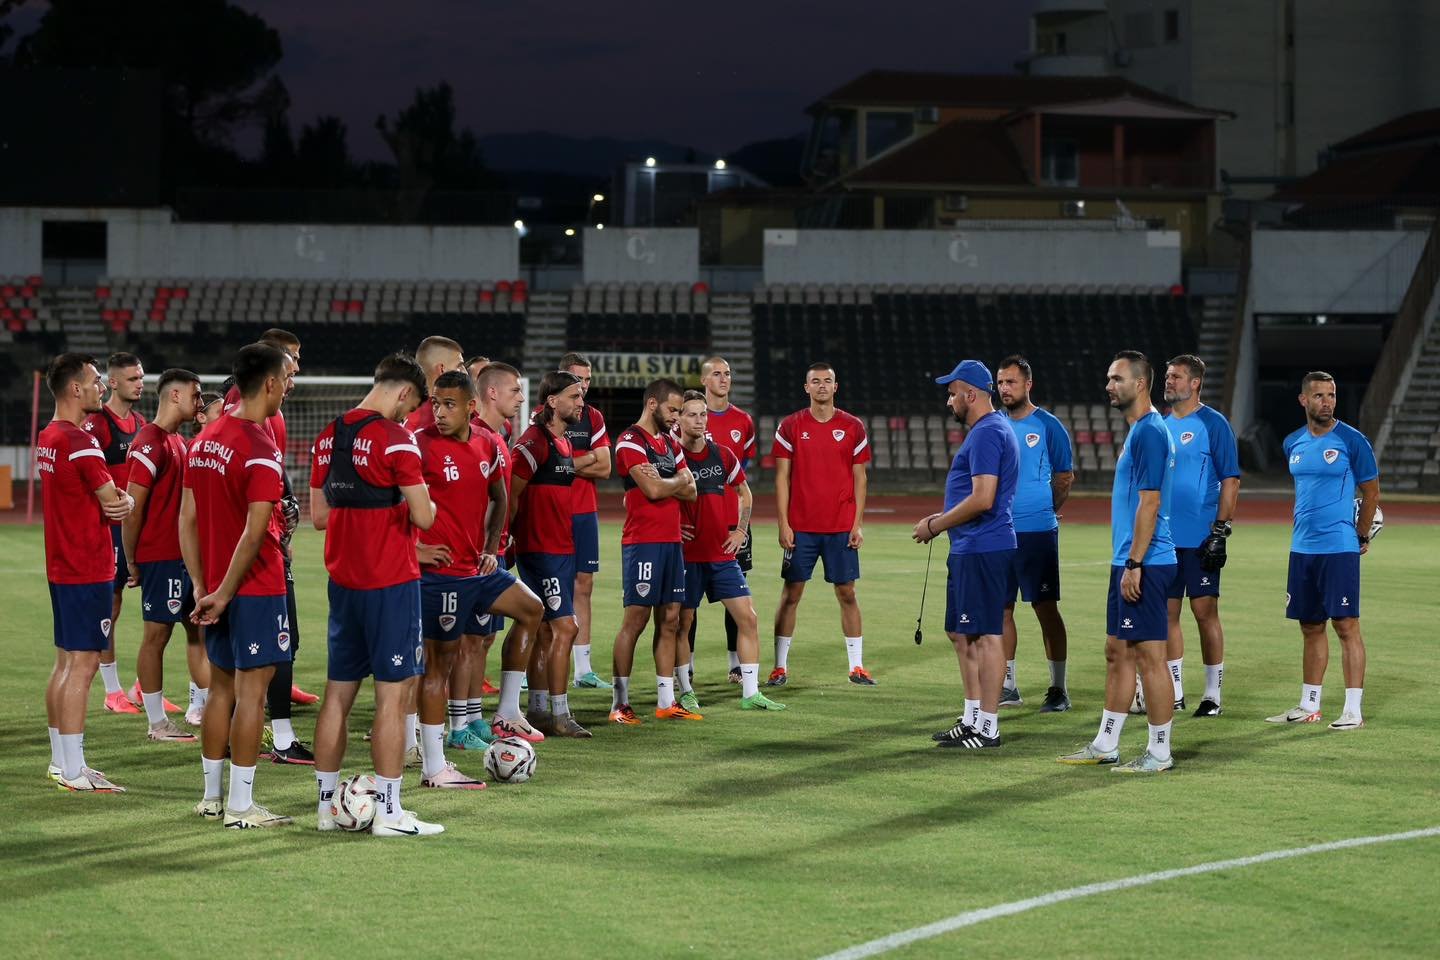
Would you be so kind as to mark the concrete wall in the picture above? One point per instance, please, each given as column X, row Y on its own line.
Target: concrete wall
column 650, row 255
column 19, row 242
column 1332, row 271
column 1140, row 257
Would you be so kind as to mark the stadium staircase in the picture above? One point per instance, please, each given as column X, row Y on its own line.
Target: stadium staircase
column 545, row 333
column 1217, row 317
column 732, row 336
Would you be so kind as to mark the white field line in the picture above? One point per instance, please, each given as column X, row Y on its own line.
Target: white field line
column 971, row 917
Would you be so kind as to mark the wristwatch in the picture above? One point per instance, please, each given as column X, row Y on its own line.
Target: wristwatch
column 1363, row 539
column 1132, row 564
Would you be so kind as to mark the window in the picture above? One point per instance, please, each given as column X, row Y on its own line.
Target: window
column 1172, row 26
column 884, row 130
column 1059, row 163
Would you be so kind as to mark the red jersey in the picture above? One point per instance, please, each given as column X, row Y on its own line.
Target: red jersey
column 586, row 435
column 547, row 465
column 275, row 424
column 232, row 464
column 504, row 464
column 115, row 435
column 716, row 510
column 367, row 548
column 646, row 520
column 459, row 475
column 71, row 464
column 734, row 430
column 822, row 455
column 157, row 463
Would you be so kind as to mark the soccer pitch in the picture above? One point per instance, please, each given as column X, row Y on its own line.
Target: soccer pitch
column 794, row 834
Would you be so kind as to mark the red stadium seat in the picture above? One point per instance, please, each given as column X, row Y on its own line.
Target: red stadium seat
column 102, row 293
column 115, row 322
column 1104, row 438
column 767, row 462
column 955, row 437
column 12, row 323
column 487, row 296
column 355, row 306
column 700, row 287
column 180, row 293
column 519, row 295
column 27, row 291
column 1084, row 438
column 337, row 306
column 162, row 293
column 7, row 291
column 34, row 280
column 1177, row 291
column 520, row 285
column 126, row 316
column 898, row 423
column 27, row 314
column 157, row 314
column 503, row 286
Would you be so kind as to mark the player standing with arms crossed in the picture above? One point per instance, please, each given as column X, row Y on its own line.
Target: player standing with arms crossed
column 80, row 503
column 590, row 446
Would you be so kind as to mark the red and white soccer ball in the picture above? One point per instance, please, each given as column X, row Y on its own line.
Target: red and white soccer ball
column 1377, row 524
column 353, row 805
column 510, row 760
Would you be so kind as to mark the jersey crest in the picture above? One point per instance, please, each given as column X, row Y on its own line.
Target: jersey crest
column 838, row 435
column 735, row 435
column 1186, row 437
column 1331, row 456
column 1031, row 439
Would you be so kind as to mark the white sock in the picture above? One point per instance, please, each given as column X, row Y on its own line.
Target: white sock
column 111, row 676
column 212, row 769
column 283, row 733
column 581, row 655
column 749, row 679
column 690, row 667
column 1214, row 678
column 509, row 707
column 1010, row 674
column 474, row 711
column 989, row 724
column 1177, row 674
column 782, row 651
column 539, row 700
column 1111, row 723
column 432, row 748
column 325, row 786
column 202, row 697
column 73, row 753
column 1310, row 696
column 971, row 713
column 855, row 649
column 682, row 677
column 620, row 695
column 1159, row 743
column 57, row 752
column 560, row 704
column 1057, row 673
column 387, row 805
column 458, row 713
column 664, row 692
column 1352, row 699
column 734, row 658
column 193, row 691
column 154, row 706
column 83, row 762
column 242, row 788
column 412, row 731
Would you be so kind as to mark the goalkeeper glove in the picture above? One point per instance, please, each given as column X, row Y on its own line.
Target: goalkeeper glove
column 1212, row 551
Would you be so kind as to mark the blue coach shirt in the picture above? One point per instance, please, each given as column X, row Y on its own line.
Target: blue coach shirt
column 989, row 448
column 1147, row 462
column 1205, row 456
column 1327, row 469
column 1044, row 452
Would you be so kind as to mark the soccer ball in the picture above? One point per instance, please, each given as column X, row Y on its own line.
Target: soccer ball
column 353, row 805
column 1377, row 524
column 510, row 760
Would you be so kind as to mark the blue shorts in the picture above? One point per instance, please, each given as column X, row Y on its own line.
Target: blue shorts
column 718, row 581
column 166, row 593
column 82, row 615
column 122, row 565
column 375, row 632
column 586, row 529
column 484, row 623
column 1323, row 586
column 842, row 565
column 1035, row 571
column 1191, row 578
column 977, row 592
column 1146, row 620
column 449, row 605
column 653, row 574
column 253, row 632
column 552, row 577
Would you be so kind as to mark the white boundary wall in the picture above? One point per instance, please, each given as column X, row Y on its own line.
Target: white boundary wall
column 626, row 255
column 1332, row 271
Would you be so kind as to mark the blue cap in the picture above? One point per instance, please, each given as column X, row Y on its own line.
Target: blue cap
column 972, row 372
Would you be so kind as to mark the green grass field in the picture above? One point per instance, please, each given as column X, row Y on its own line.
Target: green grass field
column 786, row 835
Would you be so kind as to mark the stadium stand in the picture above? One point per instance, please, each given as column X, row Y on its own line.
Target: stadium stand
column 631, row 317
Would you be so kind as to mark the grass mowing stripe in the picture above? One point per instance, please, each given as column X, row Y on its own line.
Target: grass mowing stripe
column 971, row 917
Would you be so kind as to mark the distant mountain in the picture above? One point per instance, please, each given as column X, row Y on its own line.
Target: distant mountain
column 538, row 151
column 777, row 162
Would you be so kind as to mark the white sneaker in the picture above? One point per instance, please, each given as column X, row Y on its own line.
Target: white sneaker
column 1295, row 715
column 325, row 819
column 100, row 782
column 80, row 784
column 210, row 809
column 449, row 778
column 1348, row 720
column 166, row 731
column 53, row 772
column 195, row 716
column 407, row 826
column 256, row 816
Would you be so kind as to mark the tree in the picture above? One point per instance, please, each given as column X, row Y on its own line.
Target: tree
column 323, row 159
column 428, row 151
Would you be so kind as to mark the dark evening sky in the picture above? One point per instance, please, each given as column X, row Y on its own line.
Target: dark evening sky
column 713, row 76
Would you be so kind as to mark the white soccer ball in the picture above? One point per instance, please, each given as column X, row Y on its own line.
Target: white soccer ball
column 353, row 805
column 510, row 760
column 1377, row 524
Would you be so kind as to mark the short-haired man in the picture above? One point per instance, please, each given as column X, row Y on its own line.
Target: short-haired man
column 715, row 526
column 1207, row 485
column 1143, row 565
column 80, row 502
column 231, row 545
column 591, row 451
column 1046, row 473
column 116, row 425
column 652, row 560
column 733, row 429
column 1331, row 461
column 436, row 355
column 540, row 519
column 820, row 483
column 979, row 491
column 152, row 546
column 368, row 493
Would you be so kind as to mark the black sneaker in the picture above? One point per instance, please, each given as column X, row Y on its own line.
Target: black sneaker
column 971, row 740
column 297, row 753
column 1208, row 708
column 1056, row 701
column 960, row 729
column 1180, row 704
column 734, row 675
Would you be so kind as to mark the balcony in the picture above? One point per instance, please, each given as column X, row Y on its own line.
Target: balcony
column 1066, row 64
